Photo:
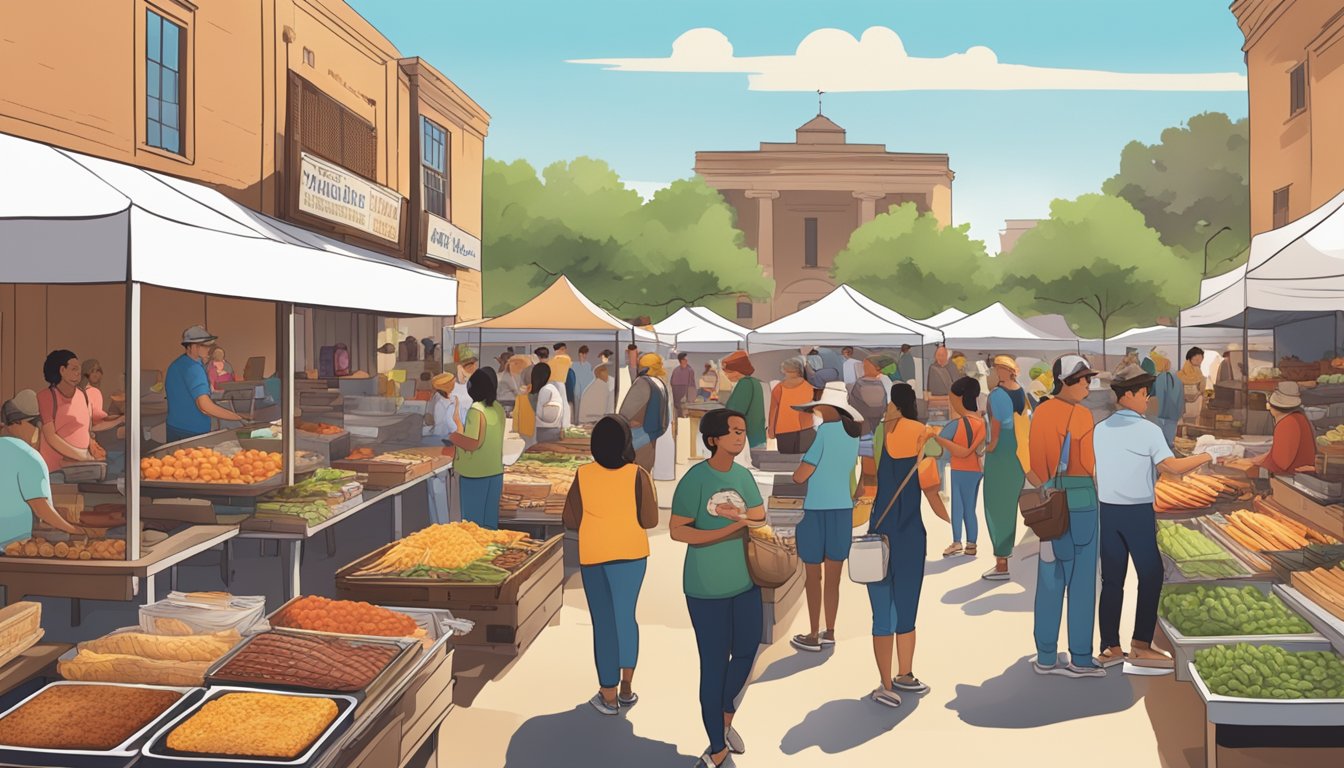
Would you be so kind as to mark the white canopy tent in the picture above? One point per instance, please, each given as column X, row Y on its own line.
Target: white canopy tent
column 1167, row 336
column 943, row 318
column 696, row 329
column 842, row 317
column 996, row 329
column 1055, row 325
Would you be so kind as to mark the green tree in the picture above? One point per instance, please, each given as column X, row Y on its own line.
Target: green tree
column 1190, row 185
column 1097, row 261
column 631, row 257
column 914, row 265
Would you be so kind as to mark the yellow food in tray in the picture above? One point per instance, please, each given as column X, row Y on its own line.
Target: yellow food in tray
column 255, row 725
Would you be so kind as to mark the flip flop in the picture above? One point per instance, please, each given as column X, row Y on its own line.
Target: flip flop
column 1167, row 663
column 1106, row 660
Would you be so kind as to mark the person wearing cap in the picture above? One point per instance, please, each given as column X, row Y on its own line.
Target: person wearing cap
column 747, row 397
column 25, row 484
column 187, row 388
column 1129, row 452
column 645, row 408
column 828, row 508
column 1294, row 443
column 1061, row 439
column 1004, row 473
column 467, row 362
column 447, row 406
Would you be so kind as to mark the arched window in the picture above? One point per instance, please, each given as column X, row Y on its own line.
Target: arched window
column 743, row 308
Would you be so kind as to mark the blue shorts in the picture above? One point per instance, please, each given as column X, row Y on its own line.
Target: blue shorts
column 824, row 534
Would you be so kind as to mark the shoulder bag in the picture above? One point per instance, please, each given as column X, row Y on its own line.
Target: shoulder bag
column 1049, row 517
column 869, row 554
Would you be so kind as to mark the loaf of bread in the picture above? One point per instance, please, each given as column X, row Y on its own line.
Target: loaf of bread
column 165, row 647
column 92, row 667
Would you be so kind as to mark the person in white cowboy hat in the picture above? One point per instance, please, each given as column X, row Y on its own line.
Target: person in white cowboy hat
column 828, row 509
column 187, row 388
column 1294, row 443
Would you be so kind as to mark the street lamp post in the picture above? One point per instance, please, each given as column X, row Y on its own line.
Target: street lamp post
column 1206, row 248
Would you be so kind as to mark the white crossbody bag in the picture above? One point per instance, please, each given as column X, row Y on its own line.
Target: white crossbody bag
column 870, row 553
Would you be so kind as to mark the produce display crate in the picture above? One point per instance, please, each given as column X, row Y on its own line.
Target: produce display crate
column 1286, row 562
column 1300, row 506
column 508, row 615
column 20, row 629
column 778, row 605
column 1173, row 574
column 212, row 440
column 384, row 474
column 1228, row 710
column 1326, row 623
column 157, row 753
column 1212, row 526
column 277, row 522
column 1183, row 647
column 1330, row 606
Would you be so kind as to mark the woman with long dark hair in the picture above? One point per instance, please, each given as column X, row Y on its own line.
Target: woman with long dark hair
column 548, row 400
column 899, row 445
column 479, row 462
column 611, row 504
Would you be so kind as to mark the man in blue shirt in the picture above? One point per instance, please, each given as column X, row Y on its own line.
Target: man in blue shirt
column 188, row 389
column 25, row 485
column 1129, row 449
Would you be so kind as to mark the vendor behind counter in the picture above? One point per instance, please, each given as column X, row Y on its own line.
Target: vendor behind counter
column 25, row 484
column 1294, row 443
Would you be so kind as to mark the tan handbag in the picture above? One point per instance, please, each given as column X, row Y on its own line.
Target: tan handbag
column 769, row 562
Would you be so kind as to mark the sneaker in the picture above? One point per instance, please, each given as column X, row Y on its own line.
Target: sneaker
column 628, row 702
column 953, row 549
column 706, row 761
column 993, row 574
column 886, row 698
column 827, row 638
column 601, row 705
column 1089, row 670
column 734, row 741
column 909, row 684
column 806, row 643
column 1041, row 669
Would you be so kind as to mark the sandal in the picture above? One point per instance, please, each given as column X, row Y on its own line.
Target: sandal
column 952, row 549
column 970, row 550
column 1106, row 659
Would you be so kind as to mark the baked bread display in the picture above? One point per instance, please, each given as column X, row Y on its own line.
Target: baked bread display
column 137, row 657
column 84, row 717
column 254, row 725
column 307, row 661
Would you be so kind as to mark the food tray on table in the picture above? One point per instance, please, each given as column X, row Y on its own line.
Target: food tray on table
column 118, row 756
column 431, row 620
column 1231, row 710
column 157, row 752
column 1329, row 625
column 1286, row 562
column 1213, row 526
column 1199, row 567
column 387, row 470
column 1183, row 646
column 403, row 650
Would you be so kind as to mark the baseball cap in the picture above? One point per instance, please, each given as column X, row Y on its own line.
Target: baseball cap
column 22, row 407
column 197, row 334
column 1132, row 375
column 1069, row 367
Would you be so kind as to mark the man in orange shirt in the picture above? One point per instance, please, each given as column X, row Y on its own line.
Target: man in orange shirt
column 1068, row 564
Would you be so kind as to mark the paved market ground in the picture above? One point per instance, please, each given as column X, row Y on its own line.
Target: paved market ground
column 986, row 707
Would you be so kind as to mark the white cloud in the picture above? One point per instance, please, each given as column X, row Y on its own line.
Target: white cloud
column 833, row 60
column 645, row 189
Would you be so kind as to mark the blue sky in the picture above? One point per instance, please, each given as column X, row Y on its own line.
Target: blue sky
column 1012, row 151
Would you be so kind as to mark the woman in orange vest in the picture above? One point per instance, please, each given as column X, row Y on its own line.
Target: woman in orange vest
column 611, row 504
column 792, row 430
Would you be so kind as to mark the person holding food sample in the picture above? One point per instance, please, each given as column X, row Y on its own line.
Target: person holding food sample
column 612, row 503
column 25, row 484
column 1129, row 451
column 715, row 502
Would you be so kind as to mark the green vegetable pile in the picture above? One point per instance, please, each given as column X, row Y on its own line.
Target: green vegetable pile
column 1266, row 672
column 1198, row 611
column 477, row 573
column 309, row 498
column 1196, row 555
column 553, row 460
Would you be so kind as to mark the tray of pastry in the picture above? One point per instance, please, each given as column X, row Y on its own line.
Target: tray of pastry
column 285, row 660
column 87, row 725
column 244, row 726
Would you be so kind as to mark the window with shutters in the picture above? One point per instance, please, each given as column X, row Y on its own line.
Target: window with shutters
column 434, row 167
column 1297, row 89
column 327, row 129
column 1280, row 207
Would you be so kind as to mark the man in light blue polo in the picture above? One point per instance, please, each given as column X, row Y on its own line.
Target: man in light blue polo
column 187, row 389
column 25, row 485
column 1129, row 450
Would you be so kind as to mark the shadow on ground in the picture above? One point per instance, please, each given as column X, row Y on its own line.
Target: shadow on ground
column 945, row 564
column 581, row 736
column 794, row 663
column 998, row 702
column 844, row 724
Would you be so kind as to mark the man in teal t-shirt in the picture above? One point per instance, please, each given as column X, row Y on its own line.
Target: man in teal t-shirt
column 25, row 485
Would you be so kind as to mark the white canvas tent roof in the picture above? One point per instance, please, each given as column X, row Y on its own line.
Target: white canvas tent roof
column 559, row 313
column 1166, row 336
column 996, row 328
column 696, row 329
column 1295, row 272
column 945, row 317
column 1054, row 325
column 842, row 317
column 73, row 218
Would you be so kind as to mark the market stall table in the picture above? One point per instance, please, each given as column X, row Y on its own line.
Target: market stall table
column 36, row 661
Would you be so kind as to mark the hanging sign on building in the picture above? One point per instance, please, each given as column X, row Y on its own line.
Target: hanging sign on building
column 449, row 243
column 333, row 193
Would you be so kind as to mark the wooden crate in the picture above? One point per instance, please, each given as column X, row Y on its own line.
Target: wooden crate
column 779, row 605
column 383, row 474
column 506, row 614
column 1326, row 519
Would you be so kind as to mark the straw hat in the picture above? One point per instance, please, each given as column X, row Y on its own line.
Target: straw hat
column 441, row 382
column 1005, row 361
column 1287, row 396
column 834, row 395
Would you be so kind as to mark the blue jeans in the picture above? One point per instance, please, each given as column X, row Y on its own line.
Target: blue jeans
column 612, row 590
column 1073, row 572
column 727, row 634
column 965, row 494
column 480, row 499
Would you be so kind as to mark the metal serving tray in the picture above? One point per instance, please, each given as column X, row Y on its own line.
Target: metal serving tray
column 429, row 619
column 156, row 752
column 1174, row 575
column 408, row 649
column 78, row 758
column 1228, row 710
column 1325, row 622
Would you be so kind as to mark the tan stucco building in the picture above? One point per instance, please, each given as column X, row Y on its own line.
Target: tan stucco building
column 1294, row 52
column 799, row 202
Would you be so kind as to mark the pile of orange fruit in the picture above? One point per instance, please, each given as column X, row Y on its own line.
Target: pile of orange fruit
column 345, row 617
column 204, row 465
column 318, row 428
